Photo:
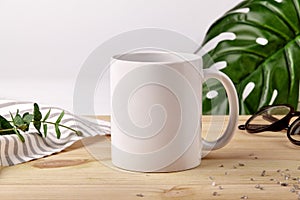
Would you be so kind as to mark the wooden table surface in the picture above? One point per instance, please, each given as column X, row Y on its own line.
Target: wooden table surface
column 264, row 166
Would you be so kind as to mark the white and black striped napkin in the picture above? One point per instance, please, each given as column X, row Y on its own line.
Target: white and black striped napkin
column 13, row 151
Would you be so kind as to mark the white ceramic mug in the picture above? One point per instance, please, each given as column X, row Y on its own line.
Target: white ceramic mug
column 156, row 103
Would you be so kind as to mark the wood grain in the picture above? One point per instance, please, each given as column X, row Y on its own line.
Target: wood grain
column 229, row 173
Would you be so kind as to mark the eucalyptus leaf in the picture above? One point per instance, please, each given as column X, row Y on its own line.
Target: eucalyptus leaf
column 264, row 53
column 27, row 118
column 58, row 133
column 5, row 127
column 37, row 126
column 60, row 117
column 45, row 129
column 20, row 136
column 18, row 121
column 47, row 115
column 37, row 116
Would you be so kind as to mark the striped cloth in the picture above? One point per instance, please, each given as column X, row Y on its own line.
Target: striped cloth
column 13, row 151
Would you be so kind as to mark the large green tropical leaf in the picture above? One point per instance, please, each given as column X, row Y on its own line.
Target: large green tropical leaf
column 264, row 53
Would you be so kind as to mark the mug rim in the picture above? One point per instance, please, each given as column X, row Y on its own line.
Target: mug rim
column 166, row 57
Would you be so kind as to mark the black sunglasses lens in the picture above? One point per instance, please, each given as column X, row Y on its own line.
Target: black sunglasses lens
column 267, row 116
column 295, row 131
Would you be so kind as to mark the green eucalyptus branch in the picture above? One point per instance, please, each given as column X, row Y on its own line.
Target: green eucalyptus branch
column 20, row 124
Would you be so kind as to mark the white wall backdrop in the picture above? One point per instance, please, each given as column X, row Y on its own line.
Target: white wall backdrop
column 43, row 43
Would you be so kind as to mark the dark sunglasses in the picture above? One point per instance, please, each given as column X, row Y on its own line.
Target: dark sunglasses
column 275, row 118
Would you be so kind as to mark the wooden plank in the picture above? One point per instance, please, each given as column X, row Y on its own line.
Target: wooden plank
column 229, row 173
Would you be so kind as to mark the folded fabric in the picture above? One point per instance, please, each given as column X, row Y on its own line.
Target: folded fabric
column 13, row 151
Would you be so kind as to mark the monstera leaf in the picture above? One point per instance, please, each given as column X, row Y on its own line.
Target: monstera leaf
column 263, row 60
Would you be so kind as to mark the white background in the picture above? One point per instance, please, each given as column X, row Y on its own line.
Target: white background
column 43, row 43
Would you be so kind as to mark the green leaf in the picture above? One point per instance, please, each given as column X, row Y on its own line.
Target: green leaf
column 27, row 119
column 58, row 133
column 271, row 67
column 4, row 124
column 37, row 116
column 37, row 126
column 47, row 115
column 45, row 128
column 60, row 117
column 18, row 121
column 19, row 135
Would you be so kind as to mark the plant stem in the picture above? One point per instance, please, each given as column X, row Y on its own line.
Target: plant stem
column 61, row 126
column 6, row 130
column 52, row 123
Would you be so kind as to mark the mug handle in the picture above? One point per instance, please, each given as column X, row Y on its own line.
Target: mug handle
column 233, row 111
